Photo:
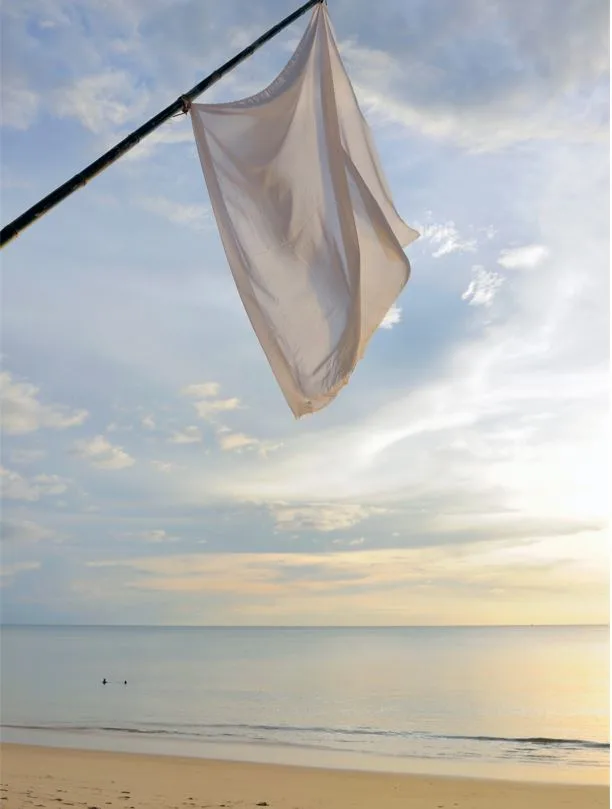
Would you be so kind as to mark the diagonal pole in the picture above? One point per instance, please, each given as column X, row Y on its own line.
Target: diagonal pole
column 14, row 228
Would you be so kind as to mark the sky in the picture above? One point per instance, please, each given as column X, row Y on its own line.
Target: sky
column 152, row 472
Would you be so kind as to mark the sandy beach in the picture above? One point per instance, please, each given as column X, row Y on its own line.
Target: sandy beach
column 55, row 777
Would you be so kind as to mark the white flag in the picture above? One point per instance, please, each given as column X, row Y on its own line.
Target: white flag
column 306, row 218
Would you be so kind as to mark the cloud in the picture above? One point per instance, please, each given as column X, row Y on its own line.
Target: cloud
column 193, row 216
column 163, row 466
column 321, row 517
column 404, row 582
column 446, row 239
column 18, row 530
column 189, row 435
column 10, row 571
column 392, row 318
column 208, row 405
column 201, row 390
column 419, row 71
column 23, row 413
column 103, row 101
column 154, row 535
column 230, row 442
column 236, row 442
column 20, row 104
column 102, row 454
column 483, row 287
column 349, row 543
column 157, row 535
column 16, row 487
column 169, row 134
column 148, row 422
column 207, row 409
column 523, row 258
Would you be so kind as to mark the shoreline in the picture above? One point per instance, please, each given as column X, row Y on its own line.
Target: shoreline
column 305, row 756
column 48, row 776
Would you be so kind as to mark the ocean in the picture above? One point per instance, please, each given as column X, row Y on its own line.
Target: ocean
column 510, row 701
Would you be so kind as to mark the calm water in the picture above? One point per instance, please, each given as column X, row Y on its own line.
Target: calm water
column 528, row 696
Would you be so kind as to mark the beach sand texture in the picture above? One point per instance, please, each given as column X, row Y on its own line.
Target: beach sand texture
column 57, row 778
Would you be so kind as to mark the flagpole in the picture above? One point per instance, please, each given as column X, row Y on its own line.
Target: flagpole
column 182, row 103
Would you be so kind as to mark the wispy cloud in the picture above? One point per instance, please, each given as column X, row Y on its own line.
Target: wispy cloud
column 321, row 517
column 341, row 581
column 102, row 101
column 22, row 412
column 9, row 571
column 188, row 435
column 416, row 77
column 349, row 543
column 20, row 103
column 483, row 287
column 163, row 466
column 171, row 133
column 25, row 531
column 102, row 454
column 445, row 239
column 16, row 487
column 154, row 535
column 229, row 441
column 194, row 216
column 237, row 442
column 209, row 409
column 208, row 405
column 523, row 258
column 201, row 390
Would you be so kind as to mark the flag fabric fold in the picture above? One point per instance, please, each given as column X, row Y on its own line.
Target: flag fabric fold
column 305, row 215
